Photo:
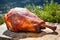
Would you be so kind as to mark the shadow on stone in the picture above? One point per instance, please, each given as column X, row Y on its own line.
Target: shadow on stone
column 21, row 35
column 2, row 38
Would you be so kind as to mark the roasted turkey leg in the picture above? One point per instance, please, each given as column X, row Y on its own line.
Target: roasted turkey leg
column 21, row 19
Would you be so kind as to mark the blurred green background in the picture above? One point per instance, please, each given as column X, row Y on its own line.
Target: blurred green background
column 47, row 10
column 49, row 13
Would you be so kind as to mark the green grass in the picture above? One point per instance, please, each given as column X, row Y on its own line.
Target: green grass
column 1, row 20
column 50, row 12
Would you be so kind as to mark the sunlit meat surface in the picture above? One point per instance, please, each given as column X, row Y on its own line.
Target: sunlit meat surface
column 21, row 19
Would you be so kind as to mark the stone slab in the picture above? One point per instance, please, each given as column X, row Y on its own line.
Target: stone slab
column 46, row 34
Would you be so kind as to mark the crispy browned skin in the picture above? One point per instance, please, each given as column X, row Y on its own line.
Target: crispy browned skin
column 20, row 19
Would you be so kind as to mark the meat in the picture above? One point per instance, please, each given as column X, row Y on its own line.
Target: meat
column 21, row 19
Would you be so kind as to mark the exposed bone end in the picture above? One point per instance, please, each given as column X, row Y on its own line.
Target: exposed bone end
column 53, row 28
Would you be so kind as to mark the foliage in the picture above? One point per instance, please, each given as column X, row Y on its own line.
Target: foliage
column 50, row 12
column 1, row 20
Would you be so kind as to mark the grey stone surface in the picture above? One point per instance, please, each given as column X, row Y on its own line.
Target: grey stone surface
column 46, row 34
